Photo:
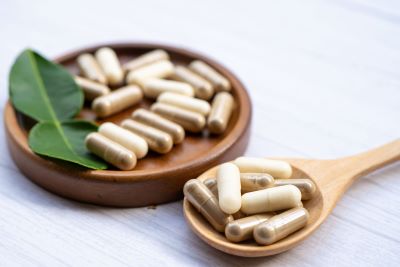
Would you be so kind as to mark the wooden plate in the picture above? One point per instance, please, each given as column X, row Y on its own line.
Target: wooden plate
column 157, row 178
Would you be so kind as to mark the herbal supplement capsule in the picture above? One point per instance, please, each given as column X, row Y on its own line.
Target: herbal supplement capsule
column 146, row 59
column 219, row 82
column 280, row 226
column 189, row 120
column 255, row 181
column 276, row 168
column 221, row 111
column 149, row 118
column 159, row 69
column 110, row 65
column 91, row 69
column 185, row 102
column 125, row 138
column 242, row 229
column 306, row 186
column 91, row 89
column 271, row 199
column 206, row 203
column 157, row 140
column 110, row 151
column 202, row 88
column 152, row 87
column 117, row 100
column 228, row 182
column 211, row 184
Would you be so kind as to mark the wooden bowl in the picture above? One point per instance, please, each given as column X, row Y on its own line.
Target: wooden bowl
column 157, row 178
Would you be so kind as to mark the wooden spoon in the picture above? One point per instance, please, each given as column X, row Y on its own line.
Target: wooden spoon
column 332, row 177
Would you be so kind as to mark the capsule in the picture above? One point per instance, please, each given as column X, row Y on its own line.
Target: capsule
column 242, row 229
column 110, row 65
column 185, row 102
column 306, row 186
column 228, row 182
column 189, row 120
column 110, row 151
column 149, row 118
column 219, row 82
column 146, row 59
column 157, row 140
column 277, row 168
column 91, row 89
column 221, row 111
column 202, row 88
column 255, row 181
column 125, row 138
column 153, row 87
column 206, row 203
column 91, row 69
column 117, row 100
column 280, row 226
column 159, row 69
column 271, row 199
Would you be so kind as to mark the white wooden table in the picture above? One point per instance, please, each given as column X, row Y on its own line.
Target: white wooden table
column 325, row 82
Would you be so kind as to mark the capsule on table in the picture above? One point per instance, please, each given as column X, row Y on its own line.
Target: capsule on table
column 153, row 87
column 90, row 68
column 110, row 151
column 185, row 102
column 271, row 199
column 219, row 82
column 280, row 226
column 149, row 118
column 221, row 111
column 242, row 229
column 211, row 184
column 277, row 168
column 189, row 120
column 110, row 65
column 255, row 181
column 157, row 140
column 206, row 203
column 117, row 100
column 160, row 69
column 202, row 88
column 146, row 59
column 91, row 89
column 306, row 186
column 125, row 138
column 228, row 183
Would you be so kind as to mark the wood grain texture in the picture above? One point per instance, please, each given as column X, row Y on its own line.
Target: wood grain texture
column 324, row 80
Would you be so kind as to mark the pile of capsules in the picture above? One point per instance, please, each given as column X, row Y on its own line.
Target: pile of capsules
column 181, row 103
column 270, row 208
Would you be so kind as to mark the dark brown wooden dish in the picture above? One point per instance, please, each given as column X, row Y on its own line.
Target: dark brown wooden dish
column 157, row 178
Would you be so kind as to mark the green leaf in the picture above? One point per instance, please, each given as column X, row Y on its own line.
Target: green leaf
column 42, row 89
column 65, row 141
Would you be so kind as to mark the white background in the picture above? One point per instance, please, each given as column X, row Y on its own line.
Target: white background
column 324, row 80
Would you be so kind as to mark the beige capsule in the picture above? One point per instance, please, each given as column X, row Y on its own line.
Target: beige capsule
column 149, row 118
column 306, row 186
column 202, row 88
column 146, row 59
column 109, row 63
column 117, row 100
column 255, row 181
column 157, row 140
column 242, row 229
column 160, row 69
column 221, row 111
column 206, row 203
column 111, row 151
column 153, row 87
column 219, row 82
column 280, row 226
column 91, row 89
column 90, row 68
column 185, row 102
column 277, row 168
column 189, row 120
